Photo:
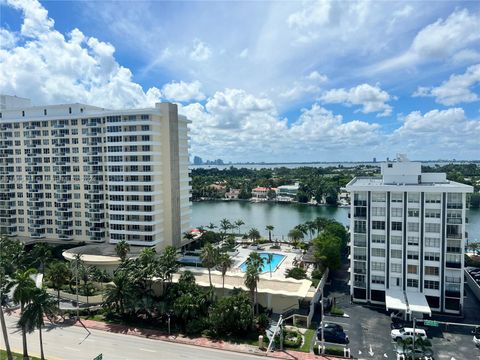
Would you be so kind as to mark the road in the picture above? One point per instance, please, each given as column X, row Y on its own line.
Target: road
column 74, row 343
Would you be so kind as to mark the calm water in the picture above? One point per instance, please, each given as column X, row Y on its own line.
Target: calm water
column 276, row 260
column 285, row 216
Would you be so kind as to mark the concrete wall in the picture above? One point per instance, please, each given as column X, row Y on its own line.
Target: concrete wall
column 473, row 285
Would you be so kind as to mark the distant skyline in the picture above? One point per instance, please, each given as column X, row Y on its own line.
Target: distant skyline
column 267, row 81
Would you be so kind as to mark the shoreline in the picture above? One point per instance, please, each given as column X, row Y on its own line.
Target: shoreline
column 267, row 201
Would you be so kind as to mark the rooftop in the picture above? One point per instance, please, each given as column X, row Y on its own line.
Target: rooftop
column 378, row 181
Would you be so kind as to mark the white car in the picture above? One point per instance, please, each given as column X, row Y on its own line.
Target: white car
column 407, row 333
column 476, row 340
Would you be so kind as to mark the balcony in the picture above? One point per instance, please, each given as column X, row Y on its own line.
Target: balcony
column 360, row 284
column 452, row 293
column 453, row 265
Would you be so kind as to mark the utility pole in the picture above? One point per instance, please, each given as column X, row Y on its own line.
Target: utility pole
column 321, row 325
column 414, row 334
column 77, row 259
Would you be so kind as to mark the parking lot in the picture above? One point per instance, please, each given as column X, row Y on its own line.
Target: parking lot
column 368, row 328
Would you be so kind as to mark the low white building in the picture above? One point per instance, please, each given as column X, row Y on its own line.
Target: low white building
column 407, row 238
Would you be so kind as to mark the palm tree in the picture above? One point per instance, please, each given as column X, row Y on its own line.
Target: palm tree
column 254, row 266
column 118, row 295
column 22, row 295
column 41, row 305
column 41, row 252
column 122, row 248
column 269, row 262
column 254, row 235
column 239, row 224
column 211, row 226
column 58, row 273
column 310, row 225
column 296, row 235
column 5, row 287
column 209, row 256
column 224, row 263
column 269, row 228
column 225, row 225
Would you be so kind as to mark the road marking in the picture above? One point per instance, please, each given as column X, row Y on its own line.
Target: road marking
column 70, row 348
column 370, row 352
column 148, row 350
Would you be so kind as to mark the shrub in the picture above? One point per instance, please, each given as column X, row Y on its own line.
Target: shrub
column 330, row 350
column 336, row 311
column 315, row 282
column 195, row 326
column 315, row 349
column 296, row 273
column 292, row 339
column 277, row 247
column 317, row 274
column 262, row 322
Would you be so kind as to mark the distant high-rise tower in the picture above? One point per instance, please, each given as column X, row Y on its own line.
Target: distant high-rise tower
column 77, row 172
column 374, row 160
column 407, row 239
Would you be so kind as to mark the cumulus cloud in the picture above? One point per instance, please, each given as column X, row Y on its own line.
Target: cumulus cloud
column 309, row 84
column 457, row 89
column 371, row 98
column 52, row 68
column 316, row 13
column 446, row 131
column 183, row 91
column 8, row 39
column 439, row 41
column 316, row 76
column 200, row 51
column 245, row 126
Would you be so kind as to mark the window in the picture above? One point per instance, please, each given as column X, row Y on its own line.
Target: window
column 378, row 279
column 454, row 201
column 432, row 256
column 413, row 213
column 412, row 269
column 413, row 198
column 397, row 197
column 414, row 227
column 379, row 197
column 378, row 266
column 432, row 228
column 378, row 211
column 378, row 252
column 412, row 255
column 396, row 268
column 378, row 225
column 432, row 242
column 396, row 240
column 396, row 254
column 378, row 239
column 412, row 283
column 396, row 225
column 413, row 240
column 433, row 198
column 360, row 226
column 431, row 270
column 397, row 212
column 432, row 213
column 431, row 284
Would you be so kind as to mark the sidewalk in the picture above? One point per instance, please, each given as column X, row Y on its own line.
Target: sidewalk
column 200, row 341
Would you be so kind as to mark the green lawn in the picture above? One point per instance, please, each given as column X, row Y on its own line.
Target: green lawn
column 308, row 338
column 16, row 356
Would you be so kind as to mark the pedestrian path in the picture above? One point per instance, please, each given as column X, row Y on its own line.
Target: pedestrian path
column 200, row 341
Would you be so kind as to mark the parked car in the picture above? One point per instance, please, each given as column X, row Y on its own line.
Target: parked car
column 407, row 333
column 329, row 325
column 476, row 340
column 333, row 336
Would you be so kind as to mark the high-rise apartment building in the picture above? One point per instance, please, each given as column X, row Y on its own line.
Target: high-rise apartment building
column 76, row 172
column 407, row 238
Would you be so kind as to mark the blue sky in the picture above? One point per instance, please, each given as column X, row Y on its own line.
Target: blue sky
column 263, row 81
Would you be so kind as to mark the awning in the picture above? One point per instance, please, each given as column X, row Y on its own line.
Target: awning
column 395, row 300
column 417, row 302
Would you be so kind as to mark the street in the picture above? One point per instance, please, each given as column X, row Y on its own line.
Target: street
column 74, row 343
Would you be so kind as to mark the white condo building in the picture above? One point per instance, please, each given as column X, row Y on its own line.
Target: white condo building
column 407, row 239
column 77, row 172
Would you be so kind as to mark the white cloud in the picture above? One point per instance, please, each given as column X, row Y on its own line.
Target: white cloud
column 455, row 90
column 442, row 131
column 244, row 53
column 314, row 13
column 240, row 126
column 316, row 76
column 8, row 39
column 200, row 51
column 49, row 68
column 183, row 91
column 372, row 98
column 438, row 41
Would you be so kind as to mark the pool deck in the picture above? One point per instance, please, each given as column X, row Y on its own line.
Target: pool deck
column 278, row 273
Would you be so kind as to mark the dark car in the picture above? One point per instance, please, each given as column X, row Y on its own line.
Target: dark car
column 334, row 326
column 333, row 336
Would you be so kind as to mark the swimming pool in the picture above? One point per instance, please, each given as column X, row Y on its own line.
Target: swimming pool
column 276, row 260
